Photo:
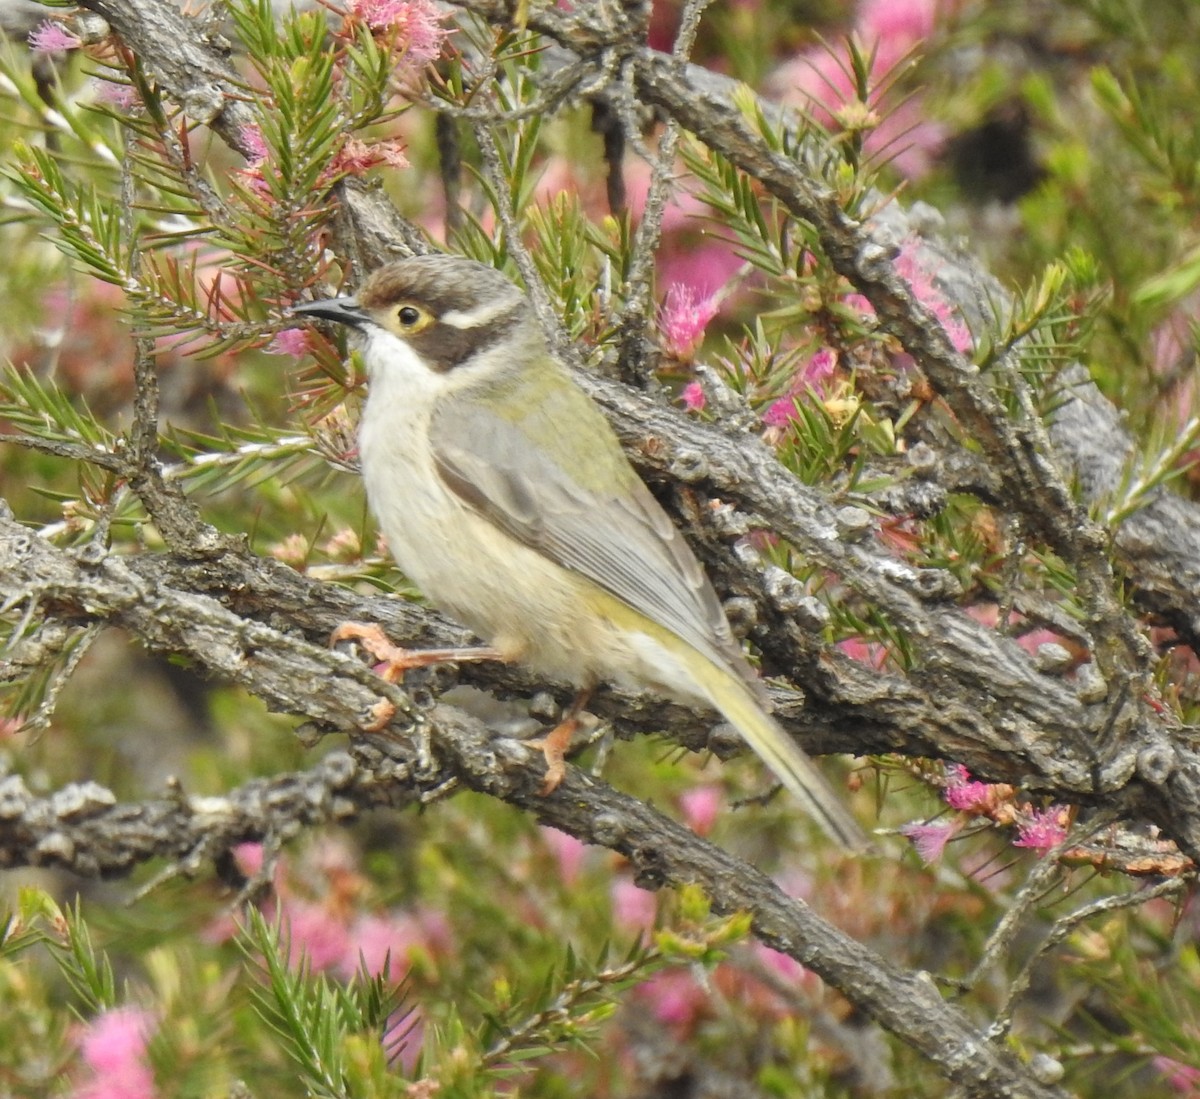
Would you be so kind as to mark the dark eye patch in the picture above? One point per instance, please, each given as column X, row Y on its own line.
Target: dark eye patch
column 443, row 347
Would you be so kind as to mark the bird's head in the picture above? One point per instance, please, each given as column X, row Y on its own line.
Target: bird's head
column 450, row 311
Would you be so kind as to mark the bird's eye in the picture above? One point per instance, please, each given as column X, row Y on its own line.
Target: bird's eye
column 408, row 315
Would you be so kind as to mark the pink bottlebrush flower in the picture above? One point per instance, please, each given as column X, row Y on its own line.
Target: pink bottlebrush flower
column 782, row 965
column 693, row 397
column 122, row 96
column 356, row 157
column 1183, row 1078
column 404, row 1039
column 634, row 908
column 1046, row 828
column 920, row 280
column 701, row 807
column 674, row 997
column 289, row 341
column 255, row 145
column 963, row 793
column 418, row 24
column 930, row 839
column 706, row 266
column 812, row 376
column 379, row 941
column 344, row 545
column 819, row 81
column 568, row 852
column 819, row 369
column 397, row 938
column 249, row 858
column 860, row 305
column 866, row 652
column 682, row 319
column 780, row 413
column 315, row 933
column 887, row 21
column 293, row 550
column 114, row 1050
column 51, row 37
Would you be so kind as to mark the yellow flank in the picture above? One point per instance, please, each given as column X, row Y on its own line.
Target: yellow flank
column 779, row 752
column 723, row 688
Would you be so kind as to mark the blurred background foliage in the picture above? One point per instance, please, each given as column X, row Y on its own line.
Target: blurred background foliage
column 464, row 945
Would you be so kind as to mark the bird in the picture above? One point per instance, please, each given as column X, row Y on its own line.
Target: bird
column 504, row 495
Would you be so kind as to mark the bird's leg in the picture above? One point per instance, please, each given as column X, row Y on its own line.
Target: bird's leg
column 394, row 660
column 398, row 660
column 555, row 743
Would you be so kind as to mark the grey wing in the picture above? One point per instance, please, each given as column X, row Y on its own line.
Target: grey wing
column 622, row 540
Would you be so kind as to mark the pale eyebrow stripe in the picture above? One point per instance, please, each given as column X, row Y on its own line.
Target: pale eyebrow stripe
column 476, row 318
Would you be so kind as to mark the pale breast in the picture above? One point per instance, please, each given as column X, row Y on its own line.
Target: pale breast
column 531, row 608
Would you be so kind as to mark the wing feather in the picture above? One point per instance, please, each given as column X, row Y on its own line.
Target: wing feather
column 608, row 528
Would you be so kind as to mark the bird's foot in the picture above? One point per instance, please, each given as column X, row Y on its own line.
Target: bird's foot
column 555, row 743
column 554, row 747
column 394, row 660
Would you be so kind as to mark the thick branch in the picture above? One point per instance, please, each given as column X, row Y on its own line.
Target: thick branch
column 81, row 828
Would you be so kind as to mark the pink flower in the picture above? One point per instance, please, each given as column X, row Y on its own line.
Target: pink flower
column 51, row 37
column 706, row 265
column 887, row 21
column 255, row 145
column 356, row 157
column 780, row 413
column 397, row 938
column 315, row 933
column 404, row 1038
column 568, row 852
column 1183, row 1078
column 909, row 266
column 1046, row 828
column 294, row 550
column 634, row 908
column 344, row 545
column 870, row 653
column 418, row 25
column 860, row 305
column 818, row 80
column 379, row 942
column 675, row 997
column 289, row 341
column 701, row 807
column 811, row 377
column 819, row 368
column 249, row 858
column 930, row 839
column 116, row 94
column 967, row 795
column 693, row 397
column 782, row 965
column 114, row 1049
column 683, row 318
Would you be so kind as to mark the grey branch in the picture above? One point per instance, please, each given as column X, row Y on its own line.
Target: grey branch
column 82, row 828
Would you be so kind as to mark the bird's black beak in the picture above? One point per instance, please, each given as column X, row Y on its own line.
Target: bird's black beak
column 342, row 310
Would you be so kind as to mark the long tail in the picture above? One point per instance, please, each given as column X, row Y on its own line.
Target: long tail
column 779, row 752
